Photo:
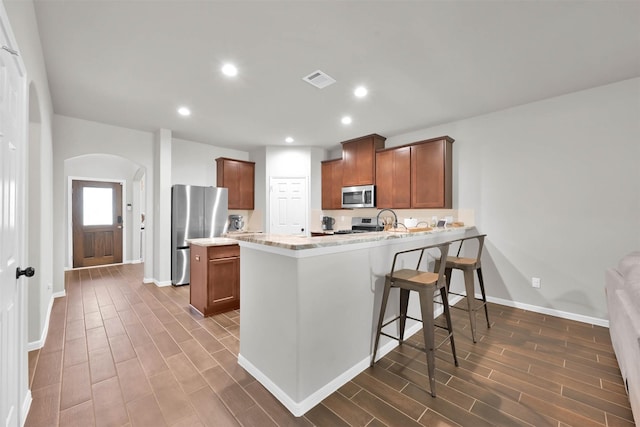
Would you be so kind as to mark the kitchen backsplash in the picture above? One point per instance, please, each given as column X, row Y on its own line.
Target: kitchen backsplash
column 343, row 217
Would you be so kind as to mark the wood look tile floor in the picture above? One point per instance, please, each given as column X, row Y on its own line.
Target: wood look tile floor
column 123, row 353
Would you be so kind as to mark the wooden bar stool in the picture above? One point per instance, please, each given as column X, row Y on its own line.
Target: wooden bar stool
column 425, row 283
column 468, row 266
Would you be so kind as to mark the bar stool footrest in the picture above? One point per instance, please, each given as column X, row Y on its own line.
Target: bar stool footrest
column 417, row 347
column 475, row 308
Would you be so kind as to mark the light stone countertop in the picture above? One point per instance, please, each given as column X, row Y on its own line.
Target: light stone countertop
column 293, row 242
column 213, row 241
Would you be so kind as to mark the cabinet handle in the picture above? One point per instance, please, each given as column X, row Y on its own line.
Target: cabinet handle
column 223, row 259
column 197, row 257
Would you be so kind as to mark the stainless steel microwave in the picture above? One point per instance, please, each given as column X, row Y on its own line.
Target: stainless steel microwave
column 362, row 196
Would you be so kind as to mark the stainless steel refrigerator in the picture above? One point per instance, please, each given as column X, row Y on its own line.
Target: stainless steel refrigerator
column 196, row 212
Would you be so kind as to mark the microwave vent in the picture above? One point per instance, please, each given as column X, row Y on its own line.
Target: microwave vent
column 319, row 79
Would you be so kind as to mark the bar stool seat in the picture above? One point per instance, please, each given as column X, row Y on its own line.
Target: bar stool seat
column 425, row 283
column 468, row 266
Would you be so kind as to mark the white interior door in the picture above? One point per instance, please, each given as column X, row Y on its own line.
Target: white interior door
column 288, row 206
column 13, row 375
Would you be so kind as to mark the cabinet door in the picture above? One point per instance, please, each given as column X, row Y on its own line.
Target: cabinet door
column 239, row 177
column 359, row 160
column 393, row 178
column 223, row 284
column 401, row 191
column 246, row 174
column 332, row 184
column 384, row 179
column 431, row 175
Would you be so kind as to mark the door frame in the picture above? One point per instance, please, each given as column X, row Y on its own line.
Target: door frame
column 125, row 228
column 306, row 204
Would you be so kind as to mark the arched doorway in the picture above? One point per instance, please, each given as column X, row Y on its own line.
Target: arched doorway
column 102, row 168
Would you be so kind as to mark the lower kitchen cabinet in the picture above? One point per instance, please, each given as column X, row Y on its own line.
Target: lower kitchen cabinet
column 215, row 278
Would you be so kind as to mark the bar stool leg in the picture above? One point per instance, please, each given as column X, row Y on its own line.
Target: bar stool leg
column 484, row 296
column 447, row 276
column 383, row 308
column 447, row 314
column 426, row 307
column 469, row 287
column 404, row 304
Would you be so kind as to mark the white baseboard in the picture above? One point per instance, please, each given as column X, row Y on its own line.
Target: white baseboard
column 300, row 408
column 161, row 284
column 26, row 405
column 156, row 282
column 551, row 312
column 35, row 345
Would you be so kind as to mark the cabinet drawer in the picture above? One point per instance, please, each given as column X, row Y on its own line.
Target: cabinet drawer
column 225, row 251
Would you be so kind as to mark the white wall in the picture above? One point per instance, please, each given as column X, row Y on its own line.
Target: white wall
column 286, row 162
column 556, row 186
column 161, row 210
column 40, row 228
column 194, row 163
column 315, row 196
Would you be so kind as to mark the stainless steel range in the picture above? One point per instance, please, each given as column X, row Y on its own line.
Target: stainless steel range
column 362, row 225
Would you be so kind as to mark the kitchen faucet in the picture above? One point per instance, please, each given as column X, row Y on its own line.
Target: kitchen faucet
column 395, row 218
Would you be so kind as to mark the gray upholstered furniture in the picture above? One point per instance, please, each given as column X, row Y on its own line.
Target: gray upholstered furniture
column 622, row 286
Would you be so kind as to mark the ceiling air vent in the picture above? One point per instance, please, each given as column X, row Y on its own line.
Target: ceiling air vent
column 319, row 79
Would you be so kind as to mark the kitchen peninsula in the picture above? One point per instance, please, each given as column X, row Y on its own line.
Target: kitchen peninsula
column 310, row 306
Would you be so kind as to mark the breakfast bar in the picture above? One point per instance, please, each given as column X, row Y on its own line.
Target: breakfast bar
column 310, row 307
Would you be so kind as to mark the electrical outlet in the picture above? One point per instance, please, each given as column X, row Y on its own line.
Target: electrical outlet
column 535, row 282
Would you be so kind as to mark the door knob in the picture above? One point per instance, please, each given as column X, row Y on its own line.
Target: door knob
column 29, row 272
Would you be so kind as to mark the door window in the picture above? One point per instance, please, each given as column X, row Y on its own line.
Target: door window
column 97, row 204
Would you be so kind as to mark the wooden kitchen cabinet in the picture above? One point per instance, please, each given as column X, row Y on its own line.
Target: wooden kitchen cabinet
column 417, row 175
column 359, row 157
column 332, row 184
column 431, row 173
column 215, row 278
column 239, row 177
column 393, row 178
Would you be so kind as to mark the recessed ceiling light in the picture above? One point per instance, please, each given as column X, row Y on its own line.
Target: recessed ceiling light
column 184, row 111
column 346, row 120
column 360, row 92
column 229, row 70
column 288, row 140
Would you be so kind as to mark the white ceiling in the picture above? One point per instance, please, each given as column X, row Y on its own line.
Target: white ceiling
column 132, row 63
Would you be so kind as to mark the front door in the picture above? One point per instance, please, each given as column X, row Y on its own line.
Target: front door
column 13, row 376
column 97, row 223
column 288, row 206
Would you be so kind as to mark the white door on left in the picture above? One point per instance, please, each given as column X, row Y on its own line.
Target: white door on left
column 13, row 353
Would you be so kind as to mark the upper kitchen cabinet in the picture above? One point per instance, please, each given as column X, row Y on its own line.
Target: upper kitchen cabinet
column 359, row 160
column 239, row 177
column 393, row 178
column 332, row 184
column 431, row 173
